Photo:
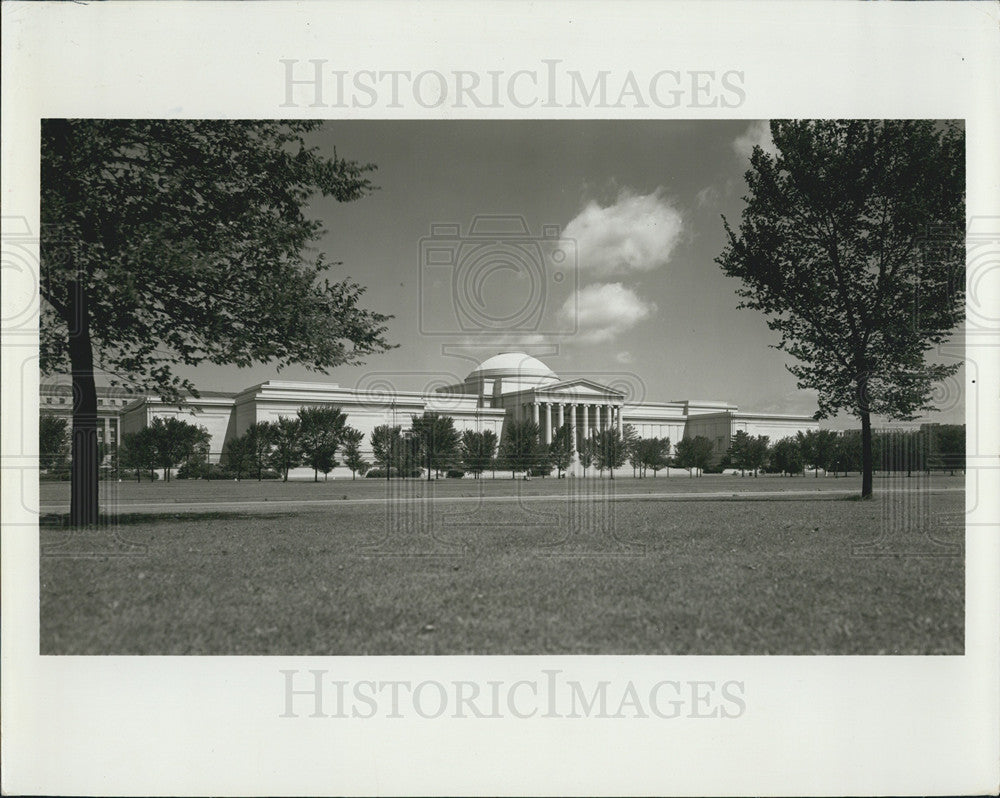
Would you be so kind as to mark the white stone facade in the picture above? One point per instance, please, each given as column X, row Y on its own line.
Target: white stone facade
column 511, row 385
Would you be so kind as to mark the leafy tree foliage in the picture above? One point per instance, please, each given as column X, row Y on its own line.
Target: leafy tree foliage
column 847, row 454
column 656, row 454
column 748, row 452
column 353, row 458
column 519, row 447
column 786, row 456
column 818, row 448
column 387, row 444
column 138, row 452
column 561, row 449
column 610, row 450
column 259, row 441
column 478, row 450
column 694, row 453
column 171, row 242
column 320, row 430
column 53, row 442
column 438, row 441
column 949, row 444
column 177, row 442
column 587, row 454
column 851, row 244
column 739, row 450
column 286, row 445
column 239, row 456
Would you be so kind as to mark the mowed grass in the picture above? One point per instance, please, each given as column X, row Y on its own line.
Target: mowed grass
column 641, row 576
column 128, row 496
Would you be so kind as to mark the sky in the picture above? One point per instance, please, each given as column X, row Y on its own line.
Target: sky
column 600, row 258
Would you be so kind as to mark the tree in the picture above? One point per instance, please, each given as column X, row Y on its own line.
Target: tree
column 438, row 440
column 352, row 439
column 177, row 442
column 656, row 453
column 286, row 443
column 739, row 451
column 478, row 450
column 186, row 241
column 633, row 444
column 950, row 445
column 818, row 448
column 238, row 455
column 587, row 454
column 610, row 450
column 847, row 455
column 53, row 443
column 259, row 441
column 561, row 449
column 757, row 455
column 519, row 448
column 851, row 244
column 321, row 429
column 786, row 456
column 138, row 452
column 387, row 443
column 694, row 453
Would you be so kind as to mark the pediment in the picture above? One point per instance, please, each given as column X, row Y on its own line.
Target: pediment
column 581, row 387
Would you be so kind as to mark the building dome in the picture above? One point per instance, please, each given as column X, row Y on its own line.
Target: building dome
column 516, row 365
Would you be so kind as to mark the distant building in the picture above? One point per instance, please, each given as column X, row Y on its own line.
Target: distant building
column 56, row 399
column 511, row 385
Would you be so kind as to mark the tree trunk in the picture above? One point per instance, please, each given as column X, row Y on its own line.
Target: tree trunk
column 84, row 488
column 866, row 456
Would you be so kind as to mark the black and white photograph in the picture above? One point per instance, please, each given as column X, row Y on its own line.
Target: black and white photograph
column 563, row 400
column 703, row 409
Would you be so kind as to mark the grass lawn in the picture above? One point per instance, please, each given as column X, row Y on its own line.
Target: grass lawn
column 646, row 575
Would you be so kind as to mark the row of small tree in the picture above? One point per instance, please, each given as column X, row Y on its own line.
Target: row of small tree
column 313, row 438
column 167, row 443
column 432, row 445
column 934, row 447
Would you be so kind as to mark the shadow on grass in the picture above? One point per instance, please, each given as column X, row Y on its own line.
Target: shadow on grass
column 61, row 520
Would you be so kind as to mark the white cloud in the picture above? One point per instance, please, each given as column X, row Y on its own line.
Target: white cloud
column 604, row 311
column 635, row 234
column 758, row 133
column 625, row 357
column 708, row 196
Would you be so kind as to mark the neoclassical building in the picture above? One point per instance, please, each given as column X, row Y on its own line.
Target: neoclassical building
column 510, row 385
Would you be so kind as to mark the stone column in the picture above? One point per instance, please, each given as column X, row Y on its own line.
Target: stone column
column 586, row 423
column 572, row 425
column 598, row 417
column 618, row 419
column 562, row 414
column 534, row 412
column 548, row 422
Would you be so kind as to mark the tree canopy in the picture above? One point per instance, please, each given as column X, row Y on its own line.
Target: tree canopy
column 169, row 242
column 852, row 244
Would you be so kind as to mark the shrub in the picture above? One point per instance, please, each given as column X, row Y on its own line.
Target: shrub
column 379, row 473
column 454, row 473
